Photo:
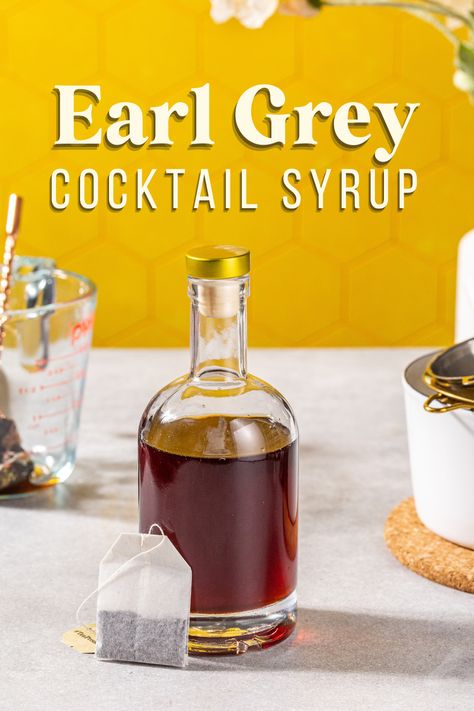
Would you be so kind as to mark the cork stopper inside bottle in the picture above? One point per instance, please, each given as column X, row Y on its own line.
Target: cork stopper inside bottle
column 219, row 299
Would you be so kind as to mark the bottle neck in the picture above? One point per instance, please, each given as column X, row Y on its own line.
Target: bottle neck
column 219, row 329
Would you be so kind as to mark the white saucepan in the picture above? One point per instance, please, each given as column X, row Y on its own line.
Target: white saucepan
column 441, row 449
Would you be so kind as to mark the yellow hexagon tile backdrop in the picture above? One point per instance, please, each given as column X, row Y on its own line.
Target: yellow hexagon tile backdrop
column 320, row 277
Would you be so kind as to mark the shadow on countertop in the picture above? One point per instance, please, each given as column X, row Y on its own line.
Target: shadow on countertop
column 334, row 641
column 106, row 489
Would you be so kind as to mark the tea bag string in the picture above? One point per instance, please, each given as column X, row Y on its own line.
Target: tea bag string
column 117, row 572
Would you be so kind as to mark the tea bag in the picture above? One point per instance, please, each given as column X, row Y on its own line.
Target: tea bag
column 143, row 602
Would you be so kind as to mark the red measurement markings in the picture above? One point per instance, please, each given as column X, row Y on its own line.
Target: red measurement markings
column 34, row 389
column 41, row 362
column 82, row 328
column 54, row 398
column 77, row 376
column 57, row 371
column 31, row 390
column 55, row 447
column 51, row 430
column 58, row 413
column 59, row 384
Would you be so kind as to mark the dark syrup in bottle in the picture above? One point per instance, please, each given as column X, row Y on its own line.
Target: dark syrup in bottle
column 232, row 515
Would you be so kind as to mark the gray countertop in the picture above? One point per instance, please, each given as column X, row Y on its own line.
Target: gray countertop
column 371, row 634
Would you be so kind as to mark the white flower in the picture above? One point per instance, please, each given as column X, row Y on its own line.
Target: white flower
column 463, row 81
column 251, row 13
column 297, row 7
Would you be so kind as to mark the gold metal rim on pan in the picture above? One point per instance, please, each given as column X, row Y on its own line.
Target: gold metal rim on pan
column 449, row 380
column 450, row 398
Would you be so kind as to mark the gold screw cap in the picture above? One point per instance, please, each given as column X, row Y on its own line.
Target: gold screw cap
column 221, row 261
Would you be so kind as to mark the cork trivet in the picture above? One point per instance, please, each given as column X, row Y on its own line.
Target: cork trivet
column 425, row 553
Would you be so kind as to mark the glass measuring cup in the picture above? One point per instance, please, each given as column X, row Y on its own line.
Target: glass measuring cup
column 48, row 334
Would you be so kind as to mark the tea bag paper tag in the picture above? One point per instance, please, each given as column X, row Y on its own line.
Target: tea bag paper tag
column 82, row 639
column 143, row 603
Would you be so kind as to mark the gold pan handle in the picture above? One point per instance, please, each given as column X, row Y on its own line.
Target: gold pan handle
column 447, row 405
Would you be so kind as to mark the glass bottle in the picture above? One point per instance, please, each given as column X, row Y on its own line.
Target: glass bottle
column 218, row 470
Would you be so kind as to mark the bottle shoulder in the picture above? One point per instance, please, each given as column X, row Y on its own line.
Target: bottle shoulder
column 225, row 407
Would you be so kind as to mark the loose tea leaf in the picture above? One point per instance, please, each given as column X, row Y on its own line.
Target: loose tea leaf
column 16, row 465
